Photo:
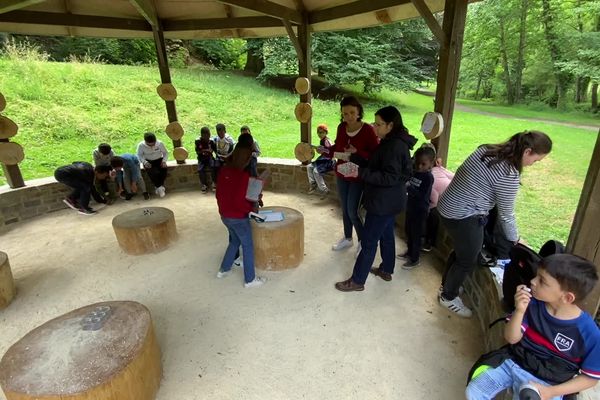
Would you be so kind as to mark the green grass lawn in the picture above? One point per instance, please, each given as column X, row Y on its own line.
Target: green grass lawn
column 64, row 110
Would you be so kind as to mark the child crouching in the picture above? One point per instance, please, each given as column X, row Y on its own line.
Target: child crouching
column 232, row 184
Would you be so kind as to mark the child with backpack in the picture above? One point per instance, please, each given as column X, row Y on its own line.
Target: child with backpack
column 554, row 346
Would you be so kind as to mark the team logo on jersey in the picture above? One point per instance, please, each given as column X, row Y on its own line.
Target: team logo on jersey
column 562, row 342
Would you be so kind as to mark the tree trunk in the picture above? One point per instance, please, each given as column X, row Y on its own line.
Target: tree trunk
column 255, row 61
column 562, row 78
column 504, row 55
column 595, row 107
column 478, row 87
column 581, row 89
column 520, row 66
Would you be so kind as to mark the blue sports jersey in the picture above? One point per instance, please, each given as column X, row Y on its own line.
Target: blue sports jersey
column 576, row 340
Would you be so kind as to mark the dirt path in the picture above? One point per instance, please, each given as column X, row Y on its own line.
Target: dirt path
column 546, row 121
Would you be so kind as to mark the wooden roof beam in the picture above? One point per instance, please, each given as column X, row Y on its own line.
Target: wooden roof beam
column 294, row 39
column 220, row 23
column 268, row 8
column 432, row 23
column 11, row 5
column 147, row 10
column 350, row 9
column 82, row 21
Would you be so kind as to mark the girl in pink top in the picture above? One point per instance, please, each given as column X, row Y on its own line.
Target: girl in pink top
column 441, row 179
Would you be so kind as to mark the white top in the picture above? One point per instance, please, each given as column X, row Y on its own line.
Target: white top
column 151, row 153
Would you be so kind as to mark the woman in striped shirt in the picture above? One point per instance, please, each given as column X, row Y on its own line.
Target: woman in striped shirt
column 489, row 177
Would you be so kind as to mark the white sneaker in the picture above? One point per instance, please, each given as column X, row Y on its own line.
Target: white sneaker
column 238, row 262
column 223, row 274
column 456, row 306
column 342, row 244
column 161, row 191
column 461, row 290
column 256, row 282
column 358, row 249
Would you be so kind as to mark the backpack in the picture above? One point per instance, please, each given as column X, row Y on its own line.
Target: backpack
column 523, row 268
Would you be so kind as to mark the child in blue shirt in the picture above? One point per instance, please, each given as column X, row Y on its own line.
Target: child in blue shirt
column 129, row 176
column 554, row 346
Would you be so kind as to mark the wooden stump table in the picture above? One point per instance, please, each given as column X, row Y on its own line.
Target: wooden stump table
column 145, row 230
column 104, row 351
column 7, row 285
column 279, row 245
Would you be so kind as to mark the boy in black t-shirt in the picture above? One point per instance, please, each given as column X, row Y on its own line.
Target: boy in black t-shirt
column 417, row 205
column 206, row 150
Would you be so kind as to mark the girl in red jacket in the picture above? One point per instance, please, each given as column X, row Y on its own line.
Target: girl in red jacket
column 232, row 183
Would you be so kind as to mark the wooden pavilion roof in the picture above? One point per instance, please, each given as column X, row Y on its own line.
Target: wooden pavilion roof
column 198, row 19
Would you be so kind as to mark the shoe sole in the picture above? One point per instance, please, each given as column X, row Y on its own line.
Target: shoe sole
column 411, row 267
column 71, row 206
column 83, row 213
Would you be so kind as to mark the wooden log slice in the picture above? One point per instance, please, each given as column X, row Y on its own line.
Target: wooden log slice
column 180, row 153
column 279, row 245
column 7, row 284
column 166, row 91
column 303, row 112
column 174, row 130
column 11, row 153
column 145, row 230
column 2, row 102
column 304, row 152
column 302, row 85
column 69, row 358
column 8, row 128
column 432, row 125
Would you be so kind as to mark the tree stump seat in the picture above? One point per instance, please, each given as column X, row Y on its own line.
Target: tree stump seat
column 103, row 351
column 279, row 245
column 145, row 230
column 7, row 285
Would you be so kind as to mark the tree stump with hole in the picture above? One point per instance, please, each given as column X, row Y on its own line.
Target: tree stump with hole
column 145, row 230
column 103, row 351
column 7, row 284
column 279, row 245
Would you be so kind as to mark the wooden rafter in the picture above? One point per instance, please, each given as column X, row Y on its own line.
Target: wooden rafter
column 147, row 10
column 354, row 8
column 70, row 29
column 220, row 23
column 295, row 41
column 11, row 5
column 383, row 16
column 432, row 23
column 268, row 8
column 82, row 21
column 229, row 15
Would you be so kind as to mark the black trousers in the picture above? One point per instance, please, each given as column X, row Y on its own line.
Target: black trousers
column 432, row 227
column 467, row 237
column 156, row 172
column 81, row 189
column 414, row 226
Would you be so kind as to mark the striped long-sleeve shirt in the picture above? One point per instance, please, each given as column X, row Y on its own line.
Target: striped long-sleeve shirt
column 478, row 187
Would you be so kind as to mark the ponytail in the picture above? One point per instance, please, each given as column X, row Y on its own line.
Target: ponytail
column 512, row 150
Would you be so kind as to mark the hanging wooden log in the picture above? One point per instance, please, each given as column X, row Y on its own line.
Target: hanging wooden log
column 166, row 91
column 302, row 85
column 304, row 152
column 11, row 153
column 2, row 102
column 303, row 112
column 279, row 245
column 7, row 285
column 145, row 230
column 103, row 351
column 180, row 154
column 8, row 128
column 174, row 130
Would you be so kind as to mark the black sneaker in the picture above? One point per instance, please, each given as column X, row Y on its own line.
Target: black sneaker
column 87, row 211
column 129, row 196
column 204, row 189
column 409, row 265
column 146, row 196
column 71, row 203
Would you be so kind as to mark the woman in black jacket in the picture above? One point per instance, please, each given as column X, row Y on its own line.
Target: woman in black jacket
column 384, row 196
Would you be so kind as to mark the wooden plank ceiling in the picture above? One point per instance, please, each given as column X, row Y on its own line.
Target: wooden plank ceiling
column 197, row 19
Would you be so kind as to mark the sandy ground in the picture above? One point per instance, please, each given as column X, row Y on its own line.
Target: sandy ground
column 296, row 337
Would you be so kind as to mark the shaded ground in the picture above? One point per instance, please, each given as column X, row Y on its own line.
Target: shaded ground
column 294, row 338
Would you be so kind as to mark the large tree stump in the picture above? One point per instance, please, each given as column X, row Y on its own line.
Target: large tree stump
column 7, row 284
column 101, row 351
column 279, row 245
column 145, row 230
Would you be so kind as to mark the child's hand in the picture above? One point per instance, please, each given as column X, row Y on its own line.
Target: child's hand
column 544, row 390
column 147, row 165
column 163, row 164
column 350, row 149
column 522, row 298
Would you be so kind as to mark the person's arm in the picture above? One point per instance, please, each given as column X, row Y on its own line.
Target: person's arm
column 256, row 151
column 368, row 142
column 393, row 171
column 575, row 385
column 163, row 151
column 506, row 195
column 140, row 155
column 513, row 331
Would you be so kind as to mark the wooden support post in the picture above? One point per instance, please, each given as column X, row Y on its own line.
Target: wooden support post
column 165, row 76
column 304, row 67
column 455, row 15
column 584, row 239
column 12, row 174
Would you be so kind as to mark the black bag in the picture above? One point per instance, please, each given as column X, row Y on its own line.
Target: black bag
column 523, row 268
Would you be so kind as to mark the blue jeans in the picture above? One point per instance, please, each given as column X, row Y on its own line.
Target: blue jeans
column 494, row 380
column 240, row 233
column 378, row 228
column 350, row 194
